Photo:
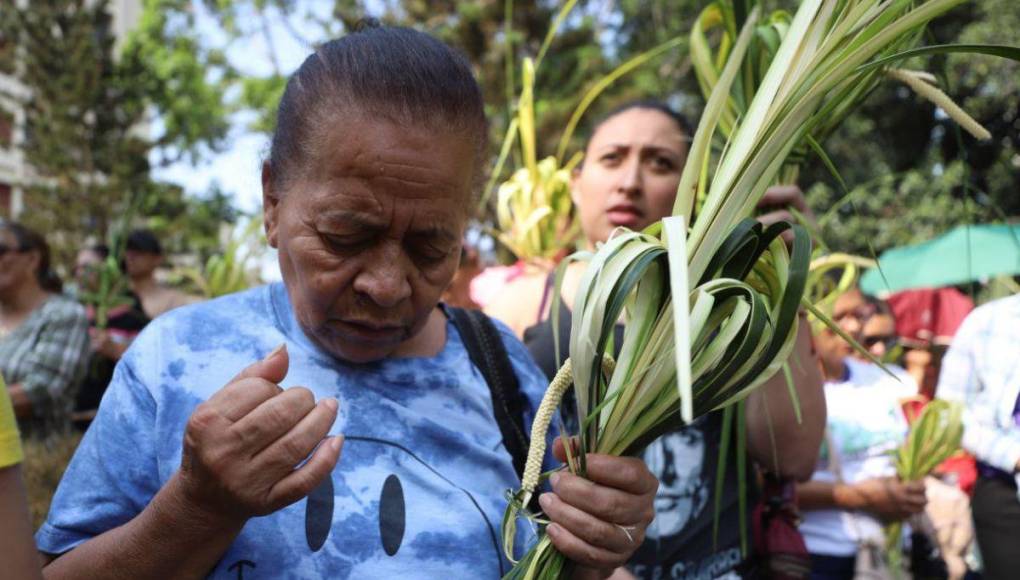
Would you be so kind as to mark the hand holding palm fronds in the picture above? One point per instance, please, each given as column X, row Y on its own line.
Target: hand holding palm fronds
column 934, row 437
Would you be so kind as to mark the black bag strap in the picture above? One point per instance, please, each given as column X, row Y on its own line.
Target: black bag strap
column 485, row 347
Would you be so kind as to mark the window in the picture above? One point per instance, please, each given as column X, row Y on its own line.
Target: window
column 6, row 54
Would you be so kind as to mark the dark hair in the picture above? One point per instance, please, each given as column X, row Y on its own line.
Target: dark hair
column 101, row 250
column 397, row 73
column 144, row 241
column 878, row 306
column 31, row 241
column 650, row 104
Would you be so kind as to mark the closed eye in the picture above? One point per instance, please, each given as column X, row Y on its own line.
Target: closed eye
column 346, row 244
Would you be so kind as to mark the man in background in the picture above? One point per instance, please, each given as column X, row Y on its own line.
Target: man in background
column 143, row 256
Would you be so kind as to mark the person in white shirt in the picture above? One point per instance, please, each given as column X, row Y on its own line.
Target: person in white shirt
column 982, row 369
column 854, row 489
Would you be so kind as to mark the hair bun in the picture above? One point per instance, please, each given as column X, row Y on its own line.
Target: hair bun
column 367, row 23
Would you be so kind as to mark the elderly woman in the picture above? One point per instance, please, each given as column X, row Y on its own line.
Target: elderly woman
column 43, row 335
column 187, row 471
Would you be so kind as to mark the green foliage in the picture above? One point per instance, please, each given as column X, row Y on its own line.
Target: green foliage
column 231, row 271
column 190, row 223
column 81, row 135
column 875, row 213
column 87, row 124
column 180, row 78
column 935, row 436
column 906, row 165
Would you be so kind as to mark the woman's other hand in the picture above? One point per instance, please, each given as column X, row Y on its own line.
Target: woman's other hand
column 887, row 498
column 600, row 521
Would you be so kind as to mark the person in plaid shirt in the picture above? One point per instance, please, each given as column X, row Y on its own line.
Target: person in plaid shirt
column 43, row 335
column 982, row 369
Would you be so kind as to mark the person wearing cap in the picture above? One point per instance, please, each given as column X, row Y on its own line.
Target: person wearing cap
column 143, row 256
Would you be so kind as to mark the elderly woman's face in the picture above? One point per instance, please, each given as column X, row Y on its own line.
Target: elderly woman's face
column 369, row 233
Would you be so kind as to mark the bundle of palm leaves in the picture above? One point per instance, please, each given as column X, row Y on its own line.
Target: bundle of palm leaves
column 710, row 296
column 934, row 437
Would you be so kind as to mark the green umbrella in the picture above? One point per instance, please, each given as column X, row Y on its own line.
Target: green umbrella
column 964, row 254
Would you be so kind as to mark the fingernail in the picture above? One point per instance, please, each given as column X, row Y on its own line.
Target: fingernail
column 553, row 529
column 331, row 404
column 276, row 351
column 554, row 478
column 336, row 442
column 545, row 500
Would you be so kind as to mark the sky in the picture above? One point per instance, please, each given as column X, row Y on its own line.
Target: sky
column 237, row 168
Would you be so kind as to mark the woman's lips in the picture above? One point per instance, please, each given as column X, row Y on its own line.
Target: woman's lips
column 369, row 332
column 624, row 215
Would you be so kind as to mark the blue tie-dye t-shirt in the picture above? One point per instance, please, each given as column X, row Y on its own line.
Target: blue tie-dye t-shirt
column 419, row 489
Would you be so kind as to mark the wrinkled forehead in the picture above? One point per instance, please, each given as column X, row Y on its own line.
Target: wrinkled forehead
column 374, row 173
column 412, row 160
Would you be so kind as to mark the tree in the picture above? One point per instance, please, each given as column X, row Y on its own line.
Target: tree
column 87, row 115
column 81, row 139
column 908, row 164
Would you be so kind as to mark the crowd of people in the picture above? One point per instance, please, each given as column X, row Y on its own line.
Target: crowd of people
column 216, row 449
column 55, row 355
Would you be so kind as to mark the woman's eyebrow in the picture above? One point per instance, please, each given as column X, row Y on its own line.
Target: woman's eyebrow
column 435, row 232
column 345, row 218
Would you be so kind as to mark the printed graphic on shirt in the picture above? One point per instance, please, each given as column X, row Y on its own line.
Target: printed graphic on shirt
column 679, row 543
column 676, row 459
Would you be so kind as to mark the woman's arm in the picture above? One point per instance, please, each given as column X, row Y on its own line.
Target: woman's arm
column 171, row 538
column 775, row 439
column 17, row 550
column 240, row 449
column 887, row 498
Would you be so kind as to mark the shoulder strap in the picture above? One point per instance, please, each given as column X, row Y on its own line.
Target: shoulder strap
column 550, row 281
column 485, row 347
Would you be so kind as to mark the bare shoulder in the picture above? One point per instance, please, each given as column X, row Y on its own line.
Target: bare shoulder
column 518, row 303
column 169, row 298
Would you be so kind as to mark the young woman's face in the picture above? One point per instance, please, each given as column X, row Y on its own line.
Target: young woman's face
column 630, row 174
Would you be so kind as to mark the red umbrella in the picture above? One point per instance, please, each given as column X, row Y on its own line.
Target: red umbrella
column 929, row 315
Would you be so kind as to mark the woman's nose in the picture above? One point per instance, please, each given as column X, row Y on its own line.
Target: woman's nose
column 384, row 280
column 630, row 178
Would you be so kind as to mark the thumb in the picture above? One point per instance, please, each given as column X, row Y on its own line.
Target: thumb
column 272, row 368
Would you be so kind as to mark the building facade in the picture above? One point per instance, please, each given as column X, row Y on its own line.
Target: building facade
column 14, row 172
